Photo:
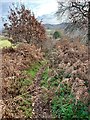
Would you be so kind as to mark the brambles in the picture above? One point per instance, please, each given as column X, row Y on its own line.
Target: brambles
column 17, row 81
column 19, row 58
column 23, row 26
column 72, row 58
column 58, row 84
column 63, row 105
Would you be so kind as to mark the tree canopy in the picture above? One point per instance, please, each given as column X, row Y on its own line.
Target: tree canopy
column 23, row 25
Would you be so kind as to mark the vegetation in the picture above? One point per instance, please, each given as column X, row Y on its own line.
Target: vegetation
column 39, row 87
column 78, row 11
column 56, row 35
column 63, row 105
column 5, row 43
column 23, row 26
column 43, row 84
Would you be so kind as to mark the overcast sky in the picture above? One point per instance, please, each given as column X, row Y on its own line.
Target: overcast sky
column 39, row 7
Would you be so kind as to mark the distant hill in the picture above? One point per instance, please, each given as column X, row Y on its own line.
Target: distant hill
column 49, row 18
column 56, row 26
column 70, row 30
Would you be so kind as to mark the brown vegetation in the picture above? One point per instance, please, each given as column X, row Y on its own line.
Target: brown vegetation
column 23, row 26
column 72, row 58
column 14, row 61
column 19, row 59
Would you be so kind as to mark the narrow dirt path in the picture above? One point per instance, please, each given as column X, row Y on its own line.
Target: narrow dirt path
column 40, row 110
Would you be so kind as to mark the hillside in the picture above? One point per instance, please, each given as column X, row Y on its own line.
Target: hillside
column 69, row 30
column 56, row 26
column 44, row 66
column 35, row 83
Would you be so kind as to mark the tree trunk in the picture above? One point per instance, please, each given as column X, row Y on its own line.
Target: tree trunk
column 89, row 48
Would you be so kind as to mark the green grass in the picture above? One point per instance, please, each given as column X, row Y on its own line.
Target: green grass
column 45, row 76
column 63, row 102
column 22, row 85
column 26, row 105
column 4, row 42
column 51, row 82
column 34, row 68
column 63, row 105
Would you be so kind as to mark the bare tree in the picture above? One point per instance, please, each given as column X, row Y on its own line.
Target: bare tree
column 78, row 12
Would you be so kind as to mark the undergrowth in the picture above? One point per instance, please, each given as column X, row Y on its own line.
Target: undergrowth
column 64, row 105
column 20, row 89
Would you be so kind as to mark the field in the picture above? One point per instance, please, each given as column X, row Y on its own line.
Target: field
column 4, row 42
